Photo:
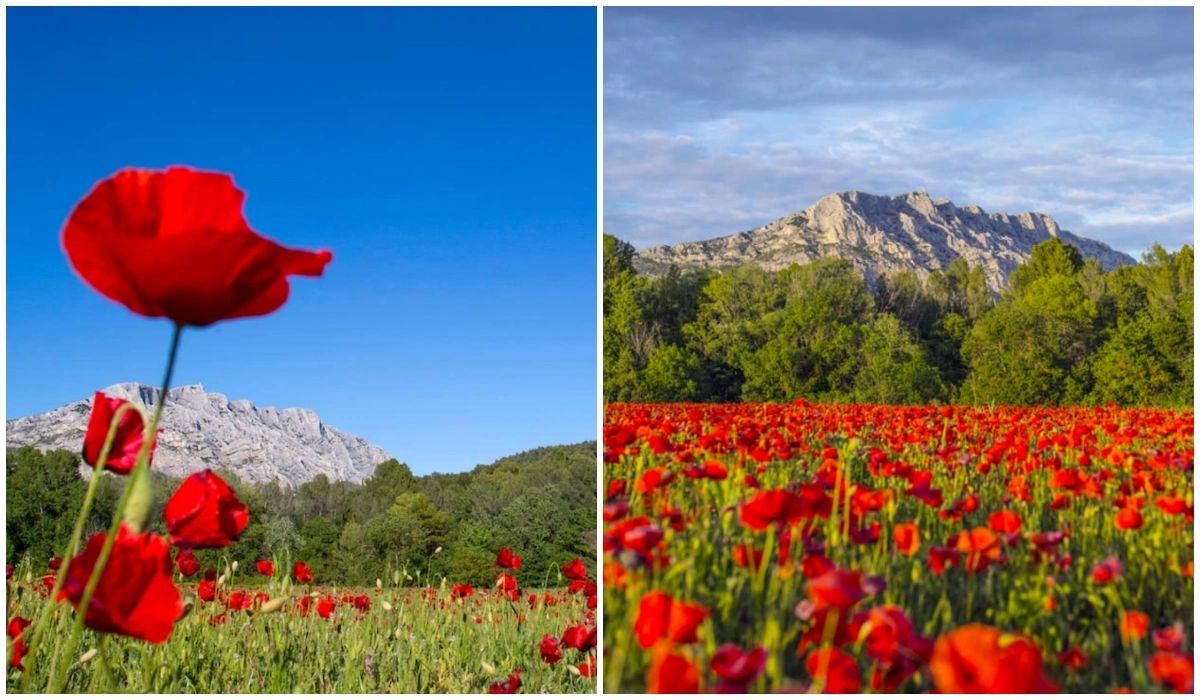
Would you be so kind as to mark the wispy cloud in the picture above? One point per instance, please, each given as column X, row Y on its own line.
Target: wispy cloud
column 719, row 119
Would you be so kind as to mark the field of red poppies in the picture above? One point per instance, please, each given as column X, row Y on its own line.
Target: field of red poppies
column 847, row 548
column 273, row 629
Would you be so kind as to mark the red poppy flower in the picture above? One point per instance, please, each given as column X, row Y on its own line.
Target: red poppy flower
column 16, row 632
column 1171, row 668
column 302, row 573
column 206, row 590
column 550, row 650
column 507, row 583
column 1073, row 658
column 575, row 571
column 186, row 562
column 579, row 637
column 1005, row 521
column 1134, row 625
column 1169, row 638
column 661, row 617
column 672, row 673
column 127, row 442
column 266, row 567
column 907, row 537
column 976, row 658
column 772, row 507
column 1107, row 570
column 174, row 244
column 587, row 669
column 834, row 669
column 325, row 606
column 509, row 685
column 1128, row 519
column 135, row 595
column 982, row 548
column 737, row 668
column 653, row 479
column 55, row 563
column 205, row 513
column 836, row 588
column 507, row 560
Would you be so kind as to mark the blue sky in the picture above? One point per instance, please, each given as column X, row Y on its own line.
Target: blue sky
column 447, row 157
column 719, row 120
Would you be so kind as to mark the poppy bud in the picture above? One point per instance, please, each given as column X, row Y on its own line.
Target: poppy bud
column 141, row 496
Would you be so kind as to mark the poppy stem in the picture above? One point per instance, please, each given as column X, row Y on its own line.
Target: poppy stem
column 73, row 544
column 140, row 466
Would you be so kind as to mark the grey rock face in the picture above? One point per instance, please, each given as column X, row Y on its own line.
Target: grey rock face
column 202, row 430
column 881, row 234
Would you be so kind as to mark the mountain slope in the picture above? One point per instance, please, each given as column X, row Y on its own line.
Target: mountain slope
column 206, row 430
column 881, row 234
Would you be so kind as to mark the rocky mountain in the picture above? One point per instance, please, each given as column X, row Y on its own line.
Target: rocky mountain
column 881, row 234
column 205, row 430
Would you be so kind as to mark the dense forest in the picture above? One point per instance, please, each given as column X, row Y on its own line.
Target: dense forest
column 1064, row 331
column 540, row 503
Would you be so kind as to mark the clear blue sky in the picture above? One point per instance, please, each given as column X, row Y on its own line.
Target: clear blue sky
column 447, row 157
column 717, row 120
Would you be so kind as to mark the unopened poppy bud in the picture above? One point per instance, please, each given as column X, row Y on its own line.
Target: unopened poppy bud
column 396, row 578
column 385, row 605
column 88, row 656
column 221, row 580
column 233, row 566
column 487, row 667
column 141, row 495
column 437, row 551
column 574, row 670
column 378, row 583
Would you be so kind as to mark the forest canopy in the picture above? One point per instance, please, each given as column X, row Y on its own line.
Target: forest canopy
column 540, row 503
column 1064, row 331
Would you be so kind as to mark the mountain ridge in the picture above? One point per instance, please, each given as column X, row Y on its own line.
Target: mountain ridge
column 201, row 429
column 880, row 234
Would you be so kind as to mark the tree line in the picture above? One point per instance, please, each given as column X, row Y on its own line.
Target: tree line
column 540, row 503
column 1063, row 331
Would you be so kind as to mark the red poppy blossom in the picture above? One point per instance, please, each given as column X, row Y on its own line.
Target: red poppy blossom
column 549, row 649
column 509, row 685
column 772, row 507
column 1005, row 521
column 174, row 244
column 672, row 673
column 907, row 537
column 186, row 562
column 836, row 588
column 127, row 441
column 507, row 583
column 579, row 637
column 834, row 669
column 1173, row 669
column 976, row 658
column 1134, row 625
column 737, row 668
column 206, row 590
column 661, row 617
column 326, row 606
column 302, row 573
column 266, row 567
column 505, row 559
column 654, row 478
column 205, row 513
column 1128, row 519
column 16, row 632
column 575, row 571
column 135, row 595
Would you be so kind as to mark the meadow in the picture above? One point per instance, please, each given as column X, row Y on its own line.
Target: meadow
column 274, row 635
column 845, row 548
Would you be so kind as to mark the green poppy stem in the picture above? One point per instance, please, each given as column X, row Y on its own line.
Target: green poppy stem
column 73, row 545
column 142, row 464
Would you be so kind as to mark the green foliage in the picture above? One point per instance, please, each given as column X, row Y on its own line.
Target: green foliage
column 540, row 503
column 1064, row 331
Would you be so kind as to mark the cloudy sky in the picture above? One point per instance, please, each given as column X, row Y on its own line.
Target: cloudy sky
column 722, row 119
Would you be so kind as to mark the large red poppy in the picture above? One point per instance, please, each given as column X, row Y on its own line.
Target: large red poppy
column 205, row 513
column 135, row 595
column 127, row 442
column 174, row 244
column 302, row 573
column 661, row 617
column 505, row 559
column 16, row 632
column 976, row 658
column 575, row 571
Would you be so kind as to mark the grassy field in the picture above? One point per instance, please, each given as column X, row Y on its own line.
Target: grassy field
column 762, row 547
column 377, row 640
